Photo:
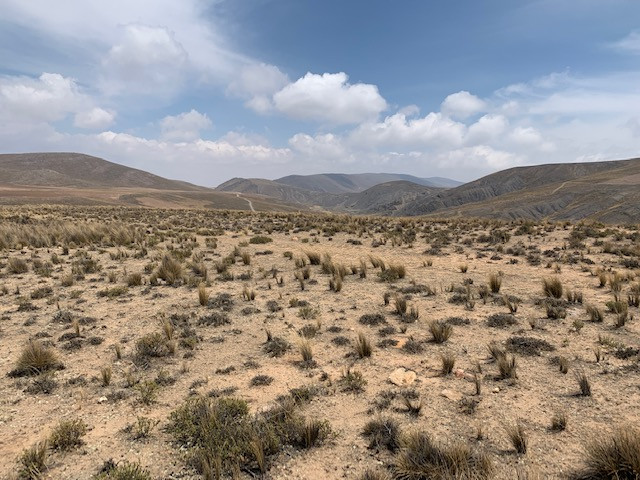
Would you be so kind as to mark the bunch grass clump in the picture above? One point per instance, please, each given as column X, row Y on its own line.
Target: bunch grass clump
column 36, row 359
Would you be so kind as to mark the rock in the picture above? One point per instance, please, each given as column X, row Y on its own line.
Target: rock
column 451, row 395
column 496, row 390
column 402, row 377
column 103, row 400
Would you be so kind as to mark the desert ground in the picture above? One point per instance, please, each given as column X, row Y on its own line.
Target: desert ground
column 183, row 344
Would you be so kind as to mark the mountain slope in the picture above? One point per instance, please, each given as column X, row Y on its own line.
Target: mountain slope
column 603, row 191
column 80, row 171
column 516, row 179
column 385, row 198
column 357, row 182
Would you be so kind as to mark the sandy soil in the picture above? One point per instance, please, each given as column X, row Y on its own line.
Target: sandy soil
column 539, row 391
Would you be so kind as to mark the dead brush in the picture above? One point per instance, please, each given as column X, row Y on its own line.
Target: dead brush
column 248, row 295
column 377, row 262
column 170, row 270
column 583, row 383
column 335, row 284
column 414, row 408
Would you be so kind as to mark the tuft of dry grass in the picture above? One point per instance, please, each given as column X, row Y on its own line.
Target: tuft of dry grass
column 36, row 359
column 615, row 457
column 517, row 437
column 552, row 287
column 363, row 346
column 495, row 282
column 440, row 331
column 421, row 458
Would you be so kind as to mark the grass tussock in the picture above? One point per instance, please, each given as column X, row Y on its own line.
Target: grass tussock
column 421, row 458
column 36, row 359
column 220, row 434
column 613, row 457
column 552, row 287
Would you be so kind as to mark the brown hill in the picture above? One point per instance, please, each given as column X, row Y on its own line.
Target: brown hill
column 79, row 171
column 77, row 179
column 604, row 191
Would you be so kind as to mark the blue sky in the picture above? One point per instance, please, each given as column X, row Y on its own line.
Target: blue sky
column 207, row 90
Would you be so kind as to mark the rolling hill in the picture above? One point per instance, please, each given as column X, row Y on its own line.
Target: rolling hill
column 80, row 171
column 77, row 179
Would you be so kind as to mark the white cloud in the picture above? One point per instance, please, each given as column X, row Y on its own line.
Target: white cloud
column 629, row 44
column 462, row 105
column 49, row 98
column 94, row 119
column 147, row 60
column 488, row 128
column 185, row 126
column 256, row 83
column 433, row 130
column 330, row 98
column 478, row 158
column 321, row 147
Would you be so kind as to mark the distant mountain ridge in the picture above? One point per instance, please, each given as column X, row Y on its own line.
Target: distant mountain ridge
column 358, row 182
column 606, row 191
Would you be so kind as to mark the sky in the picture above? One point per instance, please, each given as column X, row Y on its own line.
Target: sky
column 204, row 91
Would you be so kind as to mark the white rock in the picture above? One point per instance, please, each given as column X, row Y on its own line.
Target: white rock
column 402, row 377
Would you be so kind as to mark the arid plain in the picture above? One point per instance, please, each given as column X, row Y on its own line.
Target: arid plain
column 178, row 344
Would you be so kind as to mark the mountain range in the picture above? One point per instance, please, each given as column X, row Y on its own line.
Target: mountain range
column 607, row 191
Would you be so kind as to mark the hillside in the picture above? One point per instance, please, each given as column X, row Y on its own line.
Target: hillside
column 604, row 191
column 79, row 171
column 77, row 179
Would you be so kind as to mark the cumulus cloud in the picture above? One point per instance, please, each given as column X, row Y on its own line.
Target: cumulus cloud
column 257, row 83
column 433, row 130
column 49, row 98
column 95, row 119
column 488, row 128
column 147, row 60
column 330, row 98
column 321, row 147
column 185, row 126
column 462, row 105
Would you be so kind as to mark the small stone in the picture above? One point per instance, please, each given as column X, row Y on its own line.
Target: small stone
column 451, row 395
column 402, row 377
column 103, row 400
column 496, row 390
